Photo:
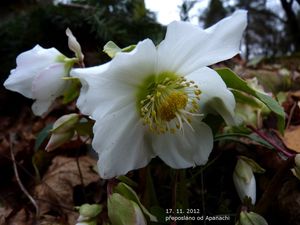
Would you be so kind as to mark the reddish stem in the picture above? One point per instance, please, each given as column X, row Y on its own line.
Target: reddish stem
column 273, row 143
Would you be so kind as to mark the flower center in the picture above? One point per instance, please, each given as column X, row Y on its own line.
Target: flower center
column 166, row 101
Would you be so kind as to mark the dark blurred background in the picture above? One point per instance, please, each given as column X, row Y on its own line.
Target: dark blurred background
column 273, row 31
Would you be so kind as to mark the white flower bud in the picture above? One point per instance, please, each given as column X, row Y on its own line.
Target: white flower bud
column 74, row 45
column 244, row 181
column 296, row 169
column 297, row 160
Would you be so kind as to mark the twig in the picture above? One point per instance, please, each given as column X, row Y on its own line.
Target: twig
column 37, row 210
column 81, row 177
column 270, row 141
column 80, row 172
column 291, row 114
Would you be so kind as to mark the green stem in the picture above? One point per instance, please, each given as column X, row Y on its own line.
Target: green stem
column 149, row 197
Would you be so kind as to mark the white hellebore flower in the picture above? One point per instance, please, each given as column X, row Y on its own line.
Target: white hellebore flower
column 147, row 102
column 38, row 75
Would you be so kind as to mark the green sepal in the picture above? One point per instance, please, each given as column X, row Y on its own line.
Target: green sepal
column 243, row 98
column 234, row 82
column 111, row 49
column 254, row 166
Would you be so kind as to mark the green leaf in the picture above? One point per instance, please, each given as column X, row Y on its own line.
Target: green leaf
column 245, row 98
column 122, row 211
column 237, row 137
column 234, row 82
column 129, row 193
column 43, row 134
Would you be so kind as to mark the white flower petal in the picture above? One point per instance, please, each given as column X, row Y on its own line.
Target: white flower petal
column 187, row 48
column 135, row 66
column 100, row 95
column 215, row 97
column 121, row 142
column 49, row 83
column 185, row 150
column 20, row 82
column 245, row 189
column 115, row 80
column 29, row 64
column 37, row 57
column 39, row 107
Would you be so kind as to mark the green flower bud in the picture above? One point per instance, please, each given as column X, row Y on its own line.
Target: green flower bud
column 57, row 139
column 122, row 211
column 89, row 211
column 251, row 218
column 65, row 123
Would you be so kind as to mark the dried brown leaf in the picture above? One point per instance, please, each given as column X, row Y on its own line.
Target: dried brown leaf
column 22, row 217
column 292, row 138
column 55, row 193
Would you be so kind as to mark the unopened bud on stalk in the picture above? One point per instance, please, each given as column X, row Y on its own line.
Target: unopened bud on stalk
column 74, row 45
column 244, row 179
column 65, row 123
column 296, row 169
column 88, row 214
column 63, row 130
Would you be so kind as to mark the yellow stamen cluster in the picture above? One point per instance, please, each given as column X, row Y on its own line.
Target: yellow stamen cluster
column 169, row 103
